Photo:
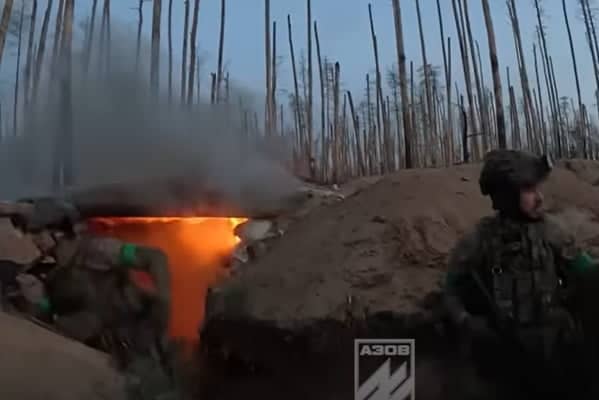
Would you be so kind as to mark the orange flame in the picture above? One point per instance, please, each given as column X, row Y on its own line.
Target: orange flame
column 197, row 248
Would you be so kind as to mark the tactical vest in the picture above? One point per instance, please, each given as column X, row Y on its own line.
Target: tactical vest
column 520, row 271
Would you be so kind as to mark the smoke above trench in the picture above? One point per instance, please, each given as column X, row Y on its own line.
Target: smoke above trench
column 123, row 132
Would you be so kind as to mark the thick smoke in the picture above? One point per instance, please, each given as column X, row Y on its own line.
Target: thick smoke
column 122, row 132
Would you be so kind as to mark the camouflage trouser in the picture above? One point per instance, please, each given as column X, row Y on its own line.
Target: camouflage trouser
column 147, row 364
column 147, row 379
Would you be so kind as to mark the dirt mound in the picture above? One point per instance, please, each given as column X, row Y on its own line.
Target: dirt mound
column 586, row 170
column 38, row 364
column 369, row 266
column 386, row 246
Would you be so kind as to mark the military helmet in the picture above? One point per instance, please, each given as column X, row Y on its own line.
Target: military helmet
column 511, row 170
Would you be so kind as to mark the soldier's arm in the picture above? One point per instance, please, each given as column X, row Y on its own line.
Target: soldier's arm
column 155, row 262
column 569, row 254
column 465, row 256
column 106, row 253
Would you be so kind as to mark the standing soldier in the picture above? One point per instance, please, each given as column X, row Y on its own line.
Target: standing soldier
column 510, row 282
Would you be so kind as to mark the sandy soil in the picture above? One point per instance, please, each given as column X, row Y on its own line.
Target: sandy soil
column 386, row 246
column 39, row 365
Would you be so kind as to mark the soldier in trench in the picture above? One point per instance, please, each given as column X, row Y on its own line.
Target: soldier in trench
column 97, row 293
column 513, row 284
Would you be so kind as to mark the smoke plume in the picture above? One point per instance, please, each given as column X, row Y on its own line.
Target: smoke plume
column 122, row 132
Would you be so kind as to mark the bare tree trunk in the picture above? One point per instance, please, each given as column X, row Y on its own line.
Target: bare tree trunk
column 591, row 19
column 273, row 85
column 29, row 62
column 479, row 90
column 447, row 70
column 108, row 42
column 558, row 131
column 170, row 52
column 57, row 33
column 464, row 124
column 155, row 64
column 101, row 45
column 185, row 47
column 485, row 101
column 541, row 107
column 372, row 156
column 303, row 84
column 550, row 89
column 193, row 50
column 268, row 65
column 547, row 74
column 591, row 39
column 380, row 143
column 6, row 13
column 212, row 88
column 226, row 88
column 18, row 70
column 528, row 103
column 309, row 107
column 346, row 165
column 496, row 76
column 574, row 65
column 90, row 35
column 67, row 106
column 413, row 117
column 466, row 68
column 427, row 87
column 221, row 41
column 336, row 124
column 140, row 21
column 511, row 103
column 545, row 55
column 401, row 65
column 356, row 124
column 197, row 71
column 393, row 81
column 296, row 88
column 322, row 104
column 282, row 117
column 41, row 49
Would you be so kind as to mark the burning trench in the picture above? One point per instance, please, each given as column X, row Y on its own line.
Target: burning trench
column 198, row 248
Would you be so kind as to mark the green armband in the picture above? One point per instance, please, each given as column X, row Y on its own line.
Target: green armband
column 128, row 254
column 44, row 305
column 582, row 263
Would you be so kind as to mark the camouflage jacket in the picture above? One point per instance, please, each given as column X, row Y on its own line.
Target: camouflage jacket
column 521, row 267
column 98, row 271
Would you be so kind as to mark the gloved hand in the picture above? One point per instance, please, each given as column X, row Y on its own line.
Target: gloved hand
column 32, row 289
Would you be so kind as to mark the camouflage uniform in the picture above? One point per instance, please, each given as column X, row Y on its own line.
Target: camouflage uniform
column 94, row 299
column 130, row 321
column 509, row 281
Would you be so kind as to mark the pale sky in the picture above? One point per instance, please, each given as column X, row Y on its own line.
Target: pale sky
column 345, row 37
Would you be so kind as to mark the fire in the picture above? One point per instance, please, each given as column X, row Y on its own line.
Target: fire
column 197, row 248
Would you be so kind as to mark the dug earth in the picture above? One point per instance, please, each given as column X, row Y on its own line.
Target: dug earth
column 370, row 266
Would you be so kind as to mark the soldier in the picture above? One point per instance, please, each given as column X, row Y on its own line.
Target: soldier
column 99, row 295
column 92, row 287
column 509, row 281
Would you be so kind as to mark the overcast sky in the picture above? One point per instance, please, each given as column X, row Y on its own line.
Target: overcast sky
column 345, row 37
